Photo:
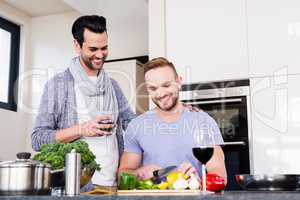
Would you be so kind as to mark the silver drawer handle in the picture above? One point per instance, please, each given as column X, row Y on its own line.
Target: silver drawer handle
column 214, row 101
column 239, row 143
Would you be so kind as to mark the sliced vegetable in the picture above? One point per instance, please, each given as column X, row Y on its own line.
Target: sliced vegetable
column 145, row 185
column 194, row 183
column 163, row 185
column 173, row 176
column 180, row 183
column 127, row 182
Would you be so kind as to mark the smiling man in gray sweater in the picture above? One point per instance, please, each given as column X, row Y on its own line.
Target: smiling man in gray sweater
column 76, row 101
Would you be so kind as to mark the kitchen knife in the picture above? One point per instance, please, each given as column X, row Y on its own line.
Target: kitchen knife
column 163, row 172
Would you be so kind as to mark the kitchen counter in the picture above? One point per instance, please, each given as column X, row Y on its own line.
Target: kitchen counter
column 228, row 195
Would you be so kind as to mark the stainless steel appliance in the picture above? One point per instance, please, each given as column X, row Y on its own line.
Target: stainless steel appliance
column 228, row 103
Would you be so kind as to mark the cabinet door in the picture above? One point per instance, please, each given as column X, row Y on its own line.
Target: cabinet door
column 274, row 36
column 275, row 108
column 206, row 39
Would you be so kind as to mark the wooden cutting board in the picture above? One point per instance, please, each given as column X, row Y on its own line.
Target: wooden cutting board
column 158, row 192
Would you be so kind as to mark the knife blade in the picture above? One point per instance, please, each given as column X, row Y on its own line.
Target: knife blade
column 163, row 172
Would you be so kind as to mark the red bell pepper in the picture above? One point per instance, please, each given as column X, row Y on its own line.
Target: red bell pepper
column 214, row 182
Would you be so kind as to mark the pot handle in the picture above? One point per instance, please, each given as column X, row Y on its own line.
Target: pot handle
column 57, row 171
column 23, row 155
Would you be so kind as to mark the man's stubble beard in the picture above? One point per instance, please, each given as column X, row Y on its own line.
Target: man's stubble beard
column 89, row 64
column 173, row 105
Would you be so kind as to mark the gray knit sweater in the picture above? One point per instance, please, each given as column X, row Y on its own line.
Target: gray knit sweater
column 58, row 110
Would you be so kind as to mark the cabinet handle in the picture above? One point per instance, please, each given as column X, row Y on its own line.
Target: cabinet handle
column 214, row 101
column 239, row 143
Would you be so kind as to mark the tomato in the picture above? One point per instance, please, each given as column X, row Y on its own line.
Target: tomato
column 214, row 182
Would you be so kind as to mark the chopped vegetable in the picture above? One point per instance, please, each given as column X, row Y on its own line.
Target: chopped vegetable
column 54, row 154
column 130, row 182
column 147, row 185
column 194, row 183
column 172, row 177
column 180, row 183
column 163, row 185
column 127, row 182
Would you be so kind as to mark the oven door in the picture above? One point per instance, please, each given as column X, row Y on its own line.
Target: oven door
column 229, row 113
column 231, row 116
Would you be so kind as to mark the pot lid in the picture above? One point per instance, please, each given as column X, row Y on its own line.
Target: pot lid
column 23, row 160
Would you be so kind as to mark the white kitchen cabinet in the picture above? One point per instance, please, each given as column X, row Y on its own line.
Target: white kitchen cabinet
column 207, row 39
column 275, row 108
column 130, row 76
column 273, row 36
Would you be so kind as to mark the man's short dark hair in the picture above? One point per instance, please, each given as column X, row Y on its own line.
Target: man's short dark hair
column 159, row 62
column 94, row 23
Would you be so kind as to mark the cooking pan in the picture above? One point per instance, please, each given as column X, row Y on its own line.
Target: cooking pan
column 271, row 182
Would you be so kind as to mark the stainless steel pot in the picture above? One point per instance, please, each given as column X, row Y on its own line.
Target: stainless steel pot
column 24, row 176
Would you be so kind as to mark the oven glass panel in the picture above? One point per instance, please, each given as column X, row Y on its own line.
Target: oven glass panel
column 231, row 118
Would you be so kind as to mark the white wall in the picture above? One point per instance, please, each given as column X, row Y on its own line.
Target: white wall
column 127, row 38
column 157, row 32
column 14, row 126
column 52, row 41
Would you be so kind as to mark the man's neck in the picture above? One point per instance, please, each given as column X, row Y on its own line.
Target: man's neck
column 171, row 115
column 87, row 70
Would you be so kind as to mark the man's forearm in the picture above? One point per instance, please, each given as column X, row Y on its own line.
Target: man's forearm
column 68, row 134
column 217, row 163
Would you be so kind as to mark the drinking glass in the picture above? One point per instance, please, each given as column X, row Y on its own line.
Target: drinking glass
column 203, row 151
column 112, row 121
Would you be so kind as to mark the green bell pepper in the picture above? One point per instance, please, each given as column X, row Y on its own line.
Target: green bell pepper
column 127, row 182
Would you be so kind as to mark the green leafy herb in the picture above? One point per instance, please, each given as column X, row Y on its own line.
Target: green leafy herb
column 54, row 154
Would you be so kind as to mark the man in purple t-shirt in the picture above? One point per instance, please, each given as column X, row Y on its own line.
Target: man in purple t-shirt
column 166, row 135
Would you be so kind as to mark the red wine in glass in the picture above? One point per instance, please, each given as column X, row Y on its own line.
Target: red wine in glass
column 203, row 154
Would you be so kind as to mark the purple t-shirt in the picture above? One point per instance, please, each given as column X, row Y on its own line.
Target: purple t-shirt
column 166, row 144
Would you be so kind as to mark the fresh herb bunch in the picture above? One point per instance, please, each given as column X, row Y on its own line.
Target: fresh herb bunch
column 54, row 154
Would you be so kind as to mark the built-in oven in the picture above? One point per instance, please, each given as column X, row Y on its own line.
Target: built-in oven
column 228, row 103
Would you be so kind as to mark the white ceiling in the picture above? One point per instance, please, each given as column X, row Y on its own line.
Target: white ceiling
column 129, row 9
column 35, row 8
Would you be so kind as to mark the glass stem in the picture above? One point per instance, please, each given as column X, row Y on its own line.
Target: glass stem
column 106, row 145
column 203, row 178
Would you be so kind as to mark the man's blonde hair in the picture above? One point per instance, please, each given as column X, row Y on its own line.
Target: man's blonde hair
column 159, row 62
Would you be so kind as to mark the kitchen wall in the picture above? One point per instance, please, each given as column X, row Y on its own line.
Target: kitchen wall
column 157, row 26
column 14, row 126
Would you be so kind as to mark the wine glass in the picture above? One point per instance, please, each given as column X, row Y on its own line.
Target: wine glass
column 203, row 151
column 111, row 121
